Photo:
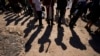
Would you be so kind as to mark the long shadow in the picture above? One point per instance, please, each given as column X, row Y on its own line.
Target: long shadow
column 76, row 42
column 18, row 20
column 59, row 38
column 32, row 38
column 8, row 15
column 25, row 21
column 95, row 42
column 10, row 20
column 30, row 26
column 45, row 38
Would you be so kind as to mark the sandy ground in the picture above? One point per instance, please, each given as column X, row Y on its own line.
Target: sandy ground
column 51, row 41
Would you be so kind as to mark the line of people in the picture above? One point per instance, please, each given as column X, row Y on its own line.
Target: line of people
column 79, row 8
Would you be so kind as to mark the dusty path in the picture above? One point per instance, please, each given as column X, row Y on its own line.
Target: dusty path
column 51, row 41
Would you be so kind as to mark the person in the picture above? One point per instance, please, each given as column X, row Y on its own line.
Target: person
column 50, row 14
column 14, row 4
column 78, row 12
column 94, row 14
column 29, row 10
column 23, row 4
column 73, row 8
column 2, row 5
column 61, row 7
column 38, row 9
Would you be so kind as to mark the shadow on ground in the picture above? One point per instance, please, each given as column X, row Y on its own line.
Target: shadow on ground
column 59, row 38
column 45, row 38
column 32, row 38
column 95, row 42
column 76, row 42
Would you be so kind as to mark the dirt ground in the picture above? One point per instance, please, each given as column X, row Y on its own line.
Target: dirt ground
column 50, row 41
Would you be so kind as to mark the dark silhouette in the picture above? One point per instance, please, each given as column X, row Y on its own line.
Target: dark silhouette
column 18, row 20
column 45, row 38
column 14, row 4
column 94, row 14
column 38, row 10
column 30, row 26
column 11, row 19
column 34, row 35
column 27, row 7
column 61, row 8
column 49, row 6
column 73, row 8
column 59, row 38
column 25, row 21
column 78, row 12
column 76, row 42
column 2, row 5
column 97, row 32
column 95, row 42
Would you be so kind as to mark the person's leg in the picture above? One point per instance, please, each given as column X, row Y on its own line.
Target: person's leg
column 75, row 18
column 39, row 13
column 72, row 11
column 30, row 10
column 52, row 16
column 57, row 13
column 78, row 14
column 47, row 11
column 62, row 14
column 59, row 20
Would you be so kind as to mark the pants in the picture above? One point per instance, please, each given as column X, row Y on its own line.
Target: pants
column 62, row 14
column 50, row 19
column 39, row 14
column 78, row 14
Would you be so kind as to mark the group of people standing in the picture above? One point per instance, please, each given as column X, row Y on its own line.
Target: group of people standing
column 78, row 9
column 81, row 8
